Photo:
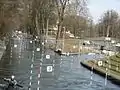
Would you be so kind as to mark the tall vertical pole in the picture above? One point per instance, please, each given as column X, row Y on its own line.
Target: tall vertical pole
column 63, row 39
column 47, row 28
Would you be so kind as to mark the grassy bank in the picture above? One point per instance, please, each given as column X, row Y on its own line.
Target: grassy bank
column 72, row 46
column 111, row 66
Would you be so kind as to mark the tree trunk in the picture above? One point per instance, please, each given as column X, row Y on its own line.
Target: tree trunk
column 108, row 30
column 47, row 27
column 58, row 34
column 37, row 26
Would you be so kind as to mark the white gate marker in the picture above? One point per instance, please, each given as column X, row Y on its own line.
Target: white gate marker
column 47, row 56
column 15, row 45
column 100, row 63
column 49, row 68
column 38, row 49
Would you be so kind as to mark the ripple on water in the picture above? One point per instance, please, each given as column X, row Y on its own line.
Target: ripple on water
column 77, row 78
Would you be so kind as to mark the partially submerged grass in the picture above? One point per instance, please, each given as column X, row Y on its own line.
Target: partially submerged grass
column 73, row 46
column 110, row 66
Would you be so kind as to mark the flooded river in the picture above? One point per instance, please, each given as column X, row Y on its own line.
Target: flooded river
column 42, row 69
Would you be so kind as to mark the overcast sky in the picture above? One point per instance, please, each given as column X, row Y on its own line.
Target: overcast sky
column 97, row 7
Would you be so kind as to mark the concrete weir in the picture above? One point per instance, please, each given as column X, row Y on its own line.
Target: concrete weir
column 114, row 79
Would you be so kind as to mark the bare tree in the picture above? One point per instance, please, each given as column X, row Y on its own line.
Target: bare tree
column 41, row 13
column 61, row 6
column 76, row 16
column 107, row 23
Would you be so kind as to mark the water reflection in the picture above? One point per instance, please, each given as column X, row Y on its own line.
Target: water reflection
column 30, row 68
column 18, row 59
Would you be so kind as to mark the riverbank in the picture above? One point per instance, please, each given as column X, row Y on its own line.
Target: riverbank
column 72, row 46
column 109, row 68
